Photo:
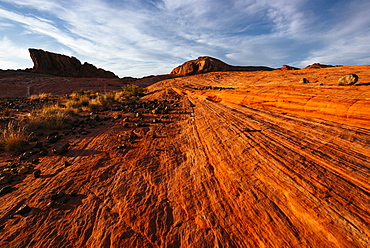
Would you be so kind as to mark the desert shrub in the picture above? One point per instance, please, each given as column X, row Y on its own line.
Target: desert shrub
column 14, row 137
column 133, row 91
column 51, row 117
column 79, row 102
column 40, row 96
column 106, row 99
column 78, row 93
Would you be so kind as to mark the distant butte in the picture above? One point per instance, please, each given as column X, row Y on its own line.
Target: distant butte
column 209, row 64
column 64, row 66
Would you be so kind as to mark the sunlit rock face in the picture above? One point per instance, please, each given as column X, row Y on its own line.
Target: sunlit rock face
column 223, row 159
column 209, row 64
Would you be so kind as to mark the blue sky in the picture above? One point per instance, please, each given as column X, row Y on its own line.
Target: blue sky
column 139, row 38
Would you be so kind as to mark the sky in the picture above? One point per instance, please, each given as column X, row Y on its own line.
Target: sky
column 151, row 37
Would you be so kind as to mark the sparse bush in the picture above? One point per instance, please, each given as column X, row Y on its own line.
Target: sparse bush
column 90, row 101
column 133, row 91
column 51, row 117
column 78, row 93
column 79, row 102
column 106, row 99
column 40, row 96
column 14, row 137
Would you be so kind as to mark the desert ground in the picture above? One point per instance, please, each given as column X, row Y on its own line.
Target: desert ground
column 232, row 159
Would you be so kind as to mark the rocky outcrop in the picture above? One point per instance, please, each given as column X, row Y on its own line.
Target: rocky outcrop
column 288, row 68
column 348, row 79
column 65, row 66
column 209, row 64
column 246, row 159
column 318, row 66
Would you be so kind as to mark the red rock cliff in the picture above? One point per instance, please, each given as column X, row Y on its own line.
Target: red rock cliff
column 208, row 64
column 65, row 66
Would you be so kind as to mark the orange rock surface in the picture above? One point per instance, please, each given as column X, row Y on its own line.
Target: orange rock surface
column 258, row 160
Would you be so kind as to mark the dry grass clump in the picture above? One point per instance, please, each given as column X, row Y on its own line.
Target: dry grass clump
column 90, row 101
column 133, row 91
column 51, row 117
column 14, row 137
column 79, row 93
column 80, row 103
column 40, row 96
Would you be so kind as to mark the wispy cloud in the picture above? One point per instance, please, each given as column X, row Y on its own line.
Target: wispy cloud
column 136, row 37
column 19, row 55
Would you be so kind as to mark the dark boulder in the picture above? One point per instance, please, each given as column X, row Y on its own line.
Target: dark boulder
column 60, row 148
column 5, row 190
column 23, row 209
column 36, row 173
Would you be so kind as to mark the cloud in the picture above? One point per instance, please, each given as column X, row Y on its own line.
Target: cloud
column 137, row 37
column 19, row 55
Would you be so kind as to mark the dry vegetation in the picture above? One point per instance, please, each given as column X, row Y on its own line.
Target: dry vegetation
column 40, row 96
column 15, row 135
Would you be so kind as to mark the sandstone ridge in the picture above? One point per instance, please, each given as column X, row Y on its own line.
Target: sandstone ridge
column 222, row 159
column 209, row 64
column 64, row 66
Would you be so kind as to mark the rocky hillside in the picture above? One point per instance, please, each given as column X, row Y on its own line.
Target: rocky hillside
column 65, row 66
column 208, row 64
column 225, row 159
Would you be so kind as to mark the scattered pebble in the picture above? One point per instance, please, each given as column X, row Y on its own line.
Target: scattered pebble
column 36, row 173
column 23, row 209
column 5, row 190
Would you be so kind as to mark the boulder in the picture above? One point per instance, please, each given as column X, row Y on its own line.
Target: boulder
column 348, row 79
column 209, row 64
column 37, row 173
column 61, row 148
column 64, row 66
column 5, row 190
column 304, row 81
column 23, row 209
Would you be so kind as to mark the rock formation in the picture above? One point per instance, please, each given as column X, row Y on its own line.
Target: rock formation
column 64, row 66
column 348, row 79
column 288, row 68
column 318, row 66
column 209, row 64
column 233, row 159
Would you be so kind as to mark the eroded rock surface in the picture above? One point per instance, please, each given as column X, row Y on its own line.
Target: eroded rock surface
column 209, row 64
column 236, row 159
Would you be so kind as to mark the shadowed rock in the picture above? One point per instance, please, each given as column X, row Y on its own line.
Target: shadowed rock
column 65, row 66
column 5, row 190
column 23, row 209
column 60, row 148
column 304, row 81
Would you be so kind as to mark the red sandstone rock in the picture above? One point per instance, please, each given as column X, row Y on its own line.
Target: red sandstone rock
column 65, row 66
column 317, row 66
column 264, row 162
column 208, row 64
column 288, row 68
